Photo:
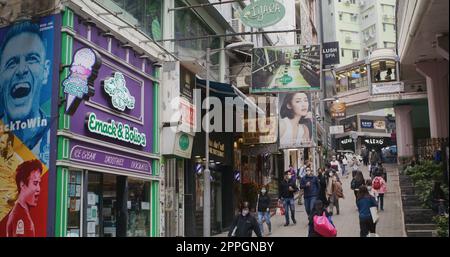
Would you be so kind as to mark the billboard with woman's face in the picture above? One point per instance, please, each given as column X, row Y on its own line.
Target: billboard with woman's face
column 295, row 120
column 26, row 75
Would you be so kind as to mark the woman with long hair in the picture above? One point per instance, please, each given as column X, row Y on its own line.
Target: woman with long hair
column 356, row 182
column 295, row 119
column 364, row 202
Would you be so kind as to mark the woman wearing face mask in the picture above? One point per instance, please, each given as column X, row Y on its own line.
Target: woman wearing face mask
column 296, row 120
column 264, row 211
column 311, row 186
column 244, row 223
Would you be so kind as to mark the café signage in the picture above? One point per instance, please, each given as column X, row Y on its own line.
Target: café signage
column 116, row 88
column 116, row 130
column 338, row 110
column 106, row 159
column 80, row 82
column 263, row 13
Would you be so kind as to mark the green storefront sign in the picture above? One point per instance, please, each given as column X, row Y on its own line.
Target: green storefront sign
column 116, row 130
column 183, row 142
column 263, row 13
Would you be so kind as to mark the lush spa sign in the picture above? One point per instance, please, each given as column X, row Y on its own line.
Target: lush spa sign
column 116, row 130
column 263, row 13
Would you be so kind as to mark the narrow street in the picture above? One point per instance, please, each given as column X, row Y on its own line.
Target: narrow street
column 390, row 223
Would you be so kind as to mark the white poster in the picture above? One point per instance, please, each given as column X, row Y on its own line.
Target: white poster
column 91, row 227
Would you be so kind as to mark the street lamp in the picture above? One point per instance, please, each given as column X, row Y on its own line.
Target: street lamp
column 206, row 174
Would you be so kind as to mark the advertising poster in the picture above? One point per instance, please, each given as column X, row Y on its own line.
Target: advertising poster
column 26, row 64
column 286, row 69
column 295, row 120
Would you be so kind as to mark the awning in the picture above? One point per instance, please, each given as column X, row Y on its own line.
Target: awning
column 223, row 90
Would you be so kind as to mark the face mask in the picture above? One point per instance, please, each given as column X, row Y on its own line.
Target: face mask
column 263, row 191
column 244, row 212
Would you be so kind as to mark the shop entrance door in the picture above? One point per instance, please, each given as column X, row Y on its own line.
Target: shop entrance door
column 171, row 201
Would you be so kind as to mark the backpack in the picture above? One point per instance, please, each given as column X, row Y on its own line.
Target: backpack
column 377, row 184
column 323, row 226
column 353, row 184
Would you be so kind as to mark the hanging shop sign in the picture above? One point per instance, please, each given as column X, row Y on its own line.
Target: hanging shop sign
column 111, row 160
column 330, row 53
column 183, row 145
column 346, row 141
column 367, row 124
column 116, row 130
column 263, row 13
column 338, row 110
column 388, row 88
column 379, row 124
column 80, row 82
column 217, row 148
column 374, row 141
column 116, row 88
column 336, row 129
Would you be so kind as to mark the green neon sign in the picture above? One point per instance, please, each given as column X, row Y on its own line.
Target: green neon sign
column 116, row 130
column 263, row 13
column 183, row 142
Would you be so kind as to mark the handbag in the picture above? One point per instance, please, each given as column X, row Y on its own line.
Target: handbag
column 323, row 226
column 280, row 210
column 374, row 214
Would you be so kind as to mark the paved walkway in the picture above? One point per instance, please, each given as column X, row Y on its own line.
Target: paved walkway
column 390, row 223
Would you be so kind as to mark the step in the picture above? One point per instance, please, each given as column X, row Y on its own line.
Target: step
column 415, row 217
column 420, row 226
column 407, row 190
column 420, row 233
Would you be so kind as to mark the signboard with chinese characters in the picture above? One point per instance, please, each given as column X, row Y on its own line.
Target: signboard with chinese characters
column 336, row 129
column 379, row 124
column 263, row 13
column 338, row 110
column 255, row 135
column 217, row 148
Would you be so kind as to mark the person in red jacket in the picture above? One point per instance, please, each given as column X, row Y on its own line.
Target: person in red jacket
column 28, row 179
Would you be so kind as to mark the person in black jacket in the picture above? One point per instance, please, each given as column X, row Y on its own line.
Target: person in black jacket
column 323, row 186
column 310, row 185
column 264, row 210
column 286, row 194
column 244, row 224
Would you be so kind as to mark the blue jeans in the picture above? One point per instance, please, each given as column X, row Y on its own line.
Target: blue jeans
column 309, row 204
column 288, row 203
column 266, row 216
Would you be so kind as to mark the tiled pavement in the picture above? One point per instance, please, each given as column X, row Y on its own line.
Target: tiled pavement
column 390, row 223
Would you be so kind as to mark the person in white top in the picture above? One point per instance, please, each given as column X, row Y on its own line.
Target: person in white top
column 335, row 165
column 295, row 120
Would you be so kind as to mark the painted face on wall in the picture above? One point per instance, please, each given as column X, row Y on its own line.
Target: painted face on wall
column 31, row 191
column 23, row 71
column 299, row 104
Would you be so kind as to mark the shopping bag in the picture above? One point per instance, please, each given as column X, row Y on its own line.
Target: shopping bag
column 374, row 214
column 323, row 226
column 280, row 210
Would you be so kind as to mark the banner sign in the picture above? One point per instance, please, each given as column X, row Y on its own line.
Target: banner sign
column 388, row 88
column 263, row 13
column 285, row 69
column 336, row 129
column 28, row 64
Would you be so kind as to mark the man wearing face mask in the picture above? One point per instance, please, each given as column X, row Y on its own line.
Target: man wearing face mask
column 244, row 223
column 311, row 186
column 286, row 194
column 264, row 211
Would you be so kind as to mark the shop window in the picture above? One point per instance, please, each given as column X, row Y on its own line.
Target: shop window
column 138, row 206
column 383, row 71
column 146, row 14
column 93, row 198
column 74, row 191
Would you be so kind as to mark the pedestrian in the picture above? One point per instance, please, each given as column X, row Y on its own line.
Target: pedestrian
column 318, row 210
column 286, row 195
column 334, row 192
column 372, row 191
column 310, row 185
column 364, row 202
column 374, row 157
column 264, row 210
column 354, row 166
column 344, row 163
column 300, row 175
column 379, row 185
column 323, row 186
column 335, row 164
column 382, row 171
column 244, row 223
column 357, row 182
column 365, row 155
